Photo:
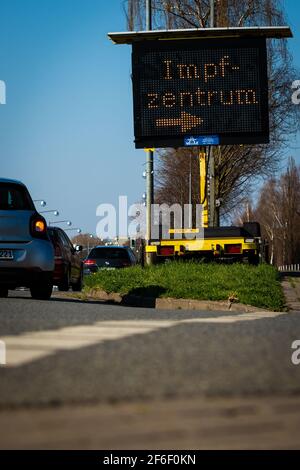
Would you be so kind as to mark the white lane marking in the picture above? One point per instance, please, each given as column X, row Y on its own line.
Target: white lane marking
column 31, row 346
column 237, row 318
column 2, row 353
column 27, row 347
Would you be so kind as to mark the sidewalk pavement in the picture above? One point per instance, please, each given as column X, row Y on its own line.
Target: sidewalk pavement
column 291, row 288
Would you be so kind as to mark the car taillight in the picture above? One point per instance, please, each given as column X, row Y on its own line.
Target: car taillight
column 89, row 262
column 38, row 227
column 57, row 252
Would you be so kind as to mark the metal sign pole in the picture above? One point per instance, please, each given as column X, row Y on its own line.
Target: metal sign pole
column 212, row 13
column 149, row 165
column 210, row 149
column 190, row 196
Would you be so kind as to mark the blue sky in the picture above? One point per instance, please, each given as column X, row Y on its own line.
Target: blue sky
column 66, row 130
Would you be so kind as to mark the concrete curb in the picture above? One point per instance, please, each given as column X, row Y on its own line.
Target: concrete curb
column 291, row 293
column 170, row 303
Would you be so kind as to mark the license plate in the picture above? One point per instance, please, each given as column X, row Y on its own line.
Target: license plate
column 6, row 254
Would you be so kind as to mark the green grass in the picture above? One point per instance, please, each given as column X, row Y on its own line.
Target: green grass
column 257, row 286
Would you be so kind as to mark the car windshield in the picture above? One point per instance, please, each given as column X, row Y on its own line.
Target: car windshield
column 108, row 253
column 14, row 197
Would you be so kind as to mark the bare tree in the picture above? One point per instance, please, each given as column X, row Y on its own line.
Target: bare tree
column 236, row 167
column 278, row 211
column 267, row 214
column 87, row 242
column 289, row 215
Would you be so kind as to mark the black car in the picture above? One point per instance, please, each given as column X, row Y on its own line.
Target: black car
column 109, row 257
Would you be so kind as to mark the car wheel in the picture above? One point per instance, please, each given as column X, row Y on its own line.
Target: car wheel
column 41, row 290
column 77, row 287
column 3, row 292
column 64, row 285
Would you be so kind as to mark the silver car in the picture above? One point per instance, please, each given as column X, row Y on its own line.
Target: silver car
column 26, row 253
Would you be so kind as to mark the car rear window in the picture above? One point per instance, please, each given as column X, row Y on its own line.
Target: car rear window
column 108, row 253
column 14, row 197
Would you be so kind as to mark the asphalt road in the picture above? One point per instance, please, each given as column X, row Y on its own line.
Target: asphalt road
column 67, row 353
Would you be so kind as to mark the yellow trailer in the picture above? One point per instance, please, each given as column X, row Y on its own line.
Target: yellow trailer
column 213, row 243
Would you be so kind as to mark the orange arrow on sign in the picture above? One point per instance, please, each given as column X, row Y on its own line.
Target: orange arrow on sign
column 186, row 122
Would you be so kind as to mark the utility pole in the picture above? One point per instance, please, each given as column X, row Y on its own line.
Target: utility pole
column 210, row 149
column 149, row 163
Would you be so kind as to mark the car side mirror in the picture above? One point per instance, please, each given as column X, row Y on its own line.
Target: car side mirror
column 78, row 248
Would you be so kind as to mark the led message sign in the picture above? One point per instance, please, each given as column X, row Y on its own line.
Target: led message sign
column 185, row 89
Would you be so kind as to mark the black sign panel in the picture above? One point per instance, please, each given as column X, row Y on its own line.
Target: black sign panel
column 185, row 90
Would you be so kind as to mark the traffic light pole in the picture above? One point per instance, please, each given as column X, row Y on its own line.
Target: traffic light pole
column 149, row 163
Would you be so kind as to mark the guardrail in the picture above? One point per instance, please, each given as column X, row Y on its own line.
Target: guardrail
column 290, row 268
